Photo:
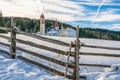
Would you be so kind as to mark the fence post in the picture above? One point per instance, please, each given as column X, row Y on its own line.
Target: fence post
column 77, row 47
column 13, row 42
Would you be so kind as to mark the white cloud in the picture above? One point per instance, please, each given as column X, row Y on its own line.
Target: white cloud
column 116, row 26
column 109, row 15
column 33, row 8
column 63, row 10
column 24, row 8
column 98, row 2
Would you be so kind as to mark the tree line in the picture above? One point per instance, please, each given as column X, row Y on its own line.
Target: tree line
column 97, row 33
column 32, row 26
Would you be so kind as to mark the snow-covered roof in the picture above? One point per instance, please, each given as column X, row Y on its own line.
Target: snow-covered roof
column 70, row 29
column 52, row 31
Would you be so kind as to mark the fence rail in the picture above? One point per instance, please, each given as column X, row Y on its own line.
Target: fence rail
column 100, row 47
column 95, row 65
column 100, row 54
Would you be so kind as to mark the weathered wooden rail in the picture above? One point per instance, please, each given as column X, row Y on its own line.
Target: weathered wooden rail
column 100, row 47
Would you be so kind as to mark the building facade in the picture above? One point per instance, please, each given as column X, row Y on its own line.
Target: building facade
column 55, row 29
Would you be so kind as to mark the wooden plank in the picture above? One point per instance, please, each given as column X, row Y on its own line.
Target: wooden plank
column 100, row 47
column 77, row 54
column 8, row 45
column 44, row 38
column 5, row 37
column 99, row 54
column 45, row 67
column 94, row 65
column 45, row 57
column 12, row 40
column 68, row 58
column 95, row 54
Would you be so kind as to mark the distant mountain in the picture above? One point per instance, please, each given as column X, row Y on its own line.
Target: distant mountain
column 32, row 26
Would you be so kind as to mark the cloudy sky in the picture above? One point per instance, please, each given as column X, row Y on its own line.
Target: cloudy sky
column 85, row 13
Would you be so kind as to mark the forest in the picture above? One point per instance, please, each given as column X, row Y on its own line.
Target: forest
column 32, row 26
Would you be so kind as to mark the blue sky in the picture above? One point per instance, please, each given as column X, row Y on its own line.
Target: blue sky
column 85, row 13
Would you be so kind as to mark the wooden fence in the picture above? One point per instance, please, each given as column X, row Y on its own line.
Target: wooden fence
column 68, row 65
column 74, row 66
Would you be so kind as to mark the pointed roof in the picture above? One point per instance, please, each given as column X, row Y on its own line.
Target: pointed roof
column 56, row 23
column 42, row 16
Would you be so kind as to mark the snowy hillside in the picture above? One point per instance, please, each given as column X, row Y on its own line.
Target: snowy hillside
column 14, row 69
column 43, row 75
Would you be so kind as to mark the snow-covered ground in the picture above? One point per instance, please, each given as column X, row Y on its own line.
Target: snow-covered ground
column 90, row 72
column 112, row 74
column 14, row 69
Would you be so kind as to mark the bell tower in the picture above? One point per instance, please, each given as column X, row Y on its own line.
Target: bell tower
column 42, row 24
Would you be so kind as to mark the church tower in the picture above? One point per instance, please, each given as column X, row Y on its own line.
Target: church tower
column 42, row 24
column 56, row 25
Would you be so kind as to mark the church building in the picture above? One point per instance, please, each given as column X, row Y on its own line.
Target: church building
column 42, row 24
column 55, row 29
